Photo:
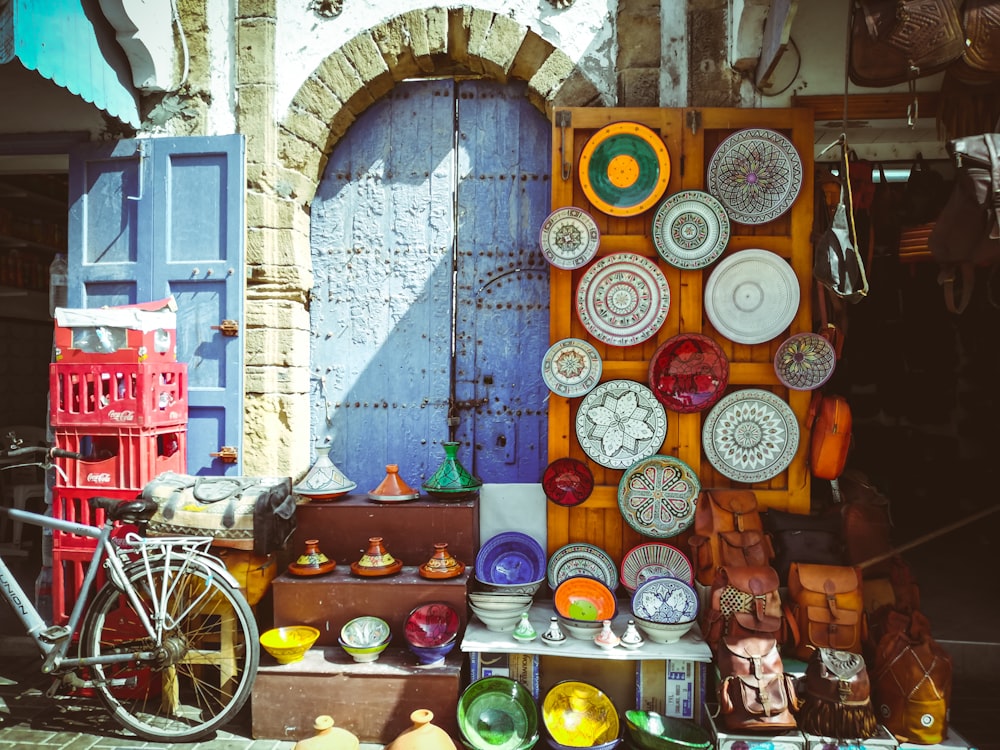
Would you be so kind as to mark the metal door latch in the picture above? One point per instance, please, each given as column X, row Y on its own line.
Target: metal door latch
column 227, row 328
column 227, row 454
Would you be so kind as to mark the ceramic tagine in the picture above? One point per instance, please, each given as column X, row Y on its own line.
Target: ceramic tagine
column 441, row 564
column 632, row 638
column 328, row 737
column 423, row 735
column 554, row 636
column 312, row 561
column 324, row 481
column 393, row 489
column 451, row 482
column 524, row 632
column 607, row 639
column 376, row 561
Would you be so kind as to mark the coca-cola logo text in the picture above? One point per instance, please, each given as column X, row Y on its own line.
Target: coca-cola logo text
column 122, row 416
column 99, row 477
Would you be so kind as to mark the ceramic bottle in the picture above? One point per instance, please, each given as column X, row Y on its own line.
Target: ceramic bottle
column 606, row 638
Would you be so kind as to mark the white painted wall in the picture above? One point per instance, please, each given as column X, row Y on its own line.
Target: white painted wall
column 585, row 32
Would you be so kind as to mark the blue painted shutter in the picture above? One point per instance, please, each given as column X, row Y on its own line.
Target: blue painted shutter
column 165, row 216
column 388, row 215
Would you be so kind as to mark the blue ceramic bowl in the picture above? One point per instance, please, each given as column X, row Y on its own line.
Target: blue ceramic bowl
column 497, row 713
column 511, row 557
column 427, row 655
column 666, row 600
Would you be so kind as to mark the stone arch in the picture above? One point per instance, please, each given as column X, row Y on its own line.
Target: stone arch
column 421, row 43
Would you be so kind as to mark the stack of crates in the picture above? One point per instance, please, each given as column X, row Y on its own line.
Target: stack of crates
column 125, row 408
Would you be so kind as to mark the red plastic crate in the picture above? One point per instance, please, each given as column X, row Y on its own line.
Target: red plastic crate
column 122, row 458
column 115, row 337
column 144, row 395
column 73, row 504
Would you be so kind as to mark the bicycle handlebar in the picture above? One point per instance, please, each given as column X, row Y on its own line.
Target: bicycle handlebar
column 41, row 451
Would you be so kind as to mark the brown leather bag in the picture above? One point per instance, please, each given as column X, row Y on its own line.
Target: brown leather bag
column 754, row 692
column 893, row 41
column 744, row 600
column 727, row 531
column 911, row 684
column 825, row 608
column 836, row 696
column 981, row 61
column 831, row 435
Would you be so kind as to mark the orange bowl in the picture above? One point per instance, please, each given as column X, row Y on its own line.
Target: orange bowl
column 583, row 598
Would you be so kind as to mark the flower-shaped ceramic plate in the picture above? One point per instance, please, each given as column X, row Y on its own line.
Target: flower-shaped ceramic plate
column 584, row 598
column 750, row 436
column 571, row 367
column 688, row 373
column 756, row 174
column 567, row 482
column 805, row 361
column 657, row 496
column 654, row 557
column 624, row 169
column 581, row 559
column 752, row 296
column 619, row 422
column 623, row 299
column 569, row 238
column 667, row 600
column 690, row 229
column 510, row 557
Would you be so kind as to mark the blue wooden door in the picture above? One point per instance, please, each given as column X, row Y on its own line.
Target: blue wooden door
column 165, row 216
column 422, row 329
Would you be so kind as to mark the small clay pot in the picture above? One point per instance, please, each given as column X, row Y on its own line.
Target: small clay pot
column 441, row 564
column 423, row 735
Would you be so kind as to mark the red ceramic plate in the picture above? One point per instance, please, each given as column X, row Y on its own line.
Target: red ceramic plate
column 688, row 373
column 582, row 598
column 567, row 482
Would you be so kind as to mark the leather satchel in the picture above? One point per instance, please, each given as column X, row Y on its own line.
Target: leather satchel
column 830, row 439
column 825, row 608
column 743, row 600
column 894, row 41
column 800, row 537
column 727, row 531
column 755, row 693
column 836, row 696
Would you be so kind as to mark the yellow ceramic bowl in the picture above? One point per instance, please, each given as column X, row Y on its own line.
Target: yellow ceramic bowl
column 577, row 714
column 290, row 643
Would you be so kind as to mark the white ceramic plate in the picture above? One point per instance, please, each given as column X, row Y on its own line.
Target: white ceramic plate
column 569, row 238
column 571, row 367
column 623, row 299
column 619, row 422
column 690, row 229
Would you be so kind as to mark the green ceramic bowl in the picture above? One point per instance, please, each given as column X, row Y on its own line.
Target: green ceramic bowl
column 649, row 730
column 497, row 713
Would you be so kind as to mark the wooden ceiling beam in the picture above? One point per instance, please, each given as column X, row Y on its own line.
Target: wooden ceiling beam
column 888, row 106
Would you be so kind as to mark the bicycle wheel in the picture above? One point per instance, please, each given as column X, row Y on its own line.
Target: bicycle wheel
column 204, row 665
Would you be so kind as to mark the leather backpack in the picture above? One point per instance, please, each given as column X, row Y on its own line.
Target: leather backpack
column 825, row 608
column 744, row 600
column 755, row 693
column 727, row 531
column 836, row 696
column 911, row 682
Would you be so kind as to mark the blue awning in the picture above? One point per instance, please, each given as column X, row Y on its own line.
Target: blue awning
column 71, row 43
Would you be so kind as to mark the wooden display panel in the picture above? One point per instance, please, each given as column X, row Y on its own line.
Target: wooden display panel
column 691, row 136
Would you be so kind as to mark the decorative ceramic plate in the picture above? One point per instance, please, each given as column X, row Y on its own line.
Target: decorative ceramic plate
column 569, row 238
column 688, row 373
column 624, row 169
column 584, row 598
column 431, row 624
column 567, row 481
column 756, row 174
column 690, row 229
column 619, row 422
column 805, row 361
column 654, row 555
column 750, row 435
column 752, row 296
column 657, row 496
column 623, row 299
column 665, row 600
column 580, row 559
column 510, row 557
column 571, row 367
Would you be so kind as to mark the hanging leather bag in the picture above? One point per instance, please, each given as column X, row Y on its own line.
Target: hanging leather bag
column 836, row 696
column 825, row 608
column 894, row 41
column 743, row 600
column 755, row 694
column 830, row 439
column 727, row 531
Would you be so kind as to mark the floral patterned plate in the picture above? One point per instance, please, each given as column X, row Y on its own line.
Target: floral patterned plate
column 750, row 436
column 571, row 367
column 580, row 559
column 667, row 600
column 569, row 238
column 657, row 496
column 805, row 361
column 690, row 229
column 619, row 422
column 644, row 560
column 688, row 373
column 623, row 299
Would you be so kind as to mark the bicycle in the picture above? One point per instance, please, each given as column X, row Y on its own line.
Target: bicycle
column 168, row 644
